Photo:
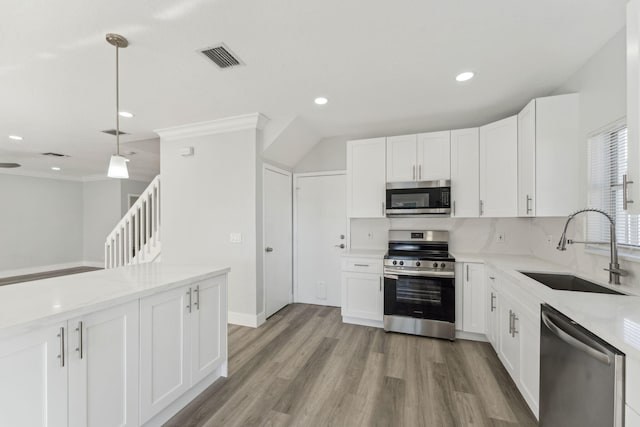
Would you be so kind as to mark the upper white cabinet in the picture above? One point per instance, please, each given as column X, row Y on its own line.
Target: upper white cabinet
column 422, row 157
column 33, row 368
column 633, row 104
column 465, row 173
column 499, row 168
column 548, row 160
column 366, row 181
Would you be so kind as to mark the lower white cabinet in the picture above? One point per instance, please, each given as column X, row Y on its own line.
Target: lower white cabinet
column 81, row 372
column 492, row 308
column 632, row 418
column 362, row 291
column 473, row 296
column 180, row 341
column 508, row 340
column 103, row 368
column 34, row 379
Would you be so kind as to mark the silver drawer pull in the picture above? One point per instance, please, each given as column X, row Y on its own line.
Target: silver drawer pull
column 361, row 265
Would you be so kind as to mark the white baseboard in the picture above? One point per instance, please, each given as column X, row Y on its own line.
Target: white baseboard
column 262, row 317
column 43, row 268
column 96, row 264
column 363, row 322
column 462, row 335
column 244, row 319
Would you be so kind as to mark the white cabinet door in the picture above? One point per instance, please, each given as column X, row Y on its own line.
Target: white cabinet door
column 164, row 349
column 33, row 373
column 465, row 173
column 402, row 162
column 529, row 330
column 499, row 168
column 434, row 156
column 527, row 160
column 208, row 318
column 103, row 368
column 632, row 418
column 492, row 304
column 473, row 317
column 633, row 103
column 508, row 343
column 362, row 296
column 366, row 179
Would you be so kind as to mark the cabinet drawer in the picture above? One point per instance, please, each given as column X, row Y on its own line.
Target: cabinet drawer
column 362, row 265
column 633, row 385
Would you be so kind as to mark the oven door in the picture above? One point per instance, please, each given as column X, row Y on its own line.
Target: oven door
column 420, row 297
column 418, row 198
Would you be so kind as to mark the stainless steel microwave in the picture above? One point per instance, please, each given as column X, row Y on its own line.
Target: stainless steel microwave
column 419, row 198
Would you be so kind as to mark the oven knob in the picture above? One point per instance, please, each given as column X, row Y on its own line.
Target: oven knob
column 401, row 262
column 435, row 265
column 417, row 263
column 395, row 262
column 442, row 265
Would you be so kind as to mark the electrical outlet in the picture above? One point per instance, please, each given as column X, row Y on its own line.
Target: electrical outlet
column 500, row 237
column 235, row 237
column 550, row 240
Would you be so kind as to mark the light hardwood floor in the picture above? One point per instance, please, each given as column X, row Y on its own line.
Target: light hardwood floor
column 45, row 275
column 304, row 367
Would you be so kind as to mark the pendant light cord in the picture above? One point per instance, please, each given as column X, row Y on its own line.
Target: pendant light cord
column 117, row 103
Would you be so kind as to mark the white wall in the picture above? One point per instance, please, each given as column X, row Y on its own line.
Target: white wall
column 127, row 187
column 101, row 209
column 41, row 221
column 329, row 154
column 206, row 197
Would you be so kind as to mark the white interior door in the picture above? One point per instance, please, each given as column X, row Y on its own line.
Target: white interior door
column 278, row 241
column 320, row 232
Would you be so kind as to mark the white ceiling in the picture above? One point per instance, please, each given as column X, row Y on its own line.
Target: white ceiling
column 386, row 66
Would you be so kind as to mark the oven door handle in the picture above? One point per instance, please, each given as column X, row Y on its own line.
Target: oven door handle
column 436, row 274
column 391, row 276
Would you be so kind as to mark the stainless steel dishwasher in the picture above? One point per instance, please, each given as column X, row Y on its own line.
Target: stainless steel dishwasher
column 581, row 376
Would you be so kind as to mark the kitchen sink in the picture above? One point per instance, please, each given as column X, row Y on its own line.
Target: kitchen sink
column 566, row 282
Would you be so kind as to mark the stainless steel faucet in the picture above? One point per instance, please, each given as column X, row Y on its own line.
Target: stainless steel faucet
column 614, row 268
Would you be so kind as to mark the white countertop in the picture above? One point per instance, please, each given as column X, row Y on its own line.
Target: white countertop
column 365, row 253
column 614, row 318
column 30, row 304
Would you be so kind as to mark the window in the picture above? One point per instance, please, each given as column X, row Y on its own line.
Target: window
column 608, row 163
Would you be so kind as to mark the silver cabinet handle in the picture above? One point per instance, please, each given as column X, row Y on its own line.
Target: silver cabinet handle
column 514, row 331
column 625, row 194
column 467, row 272
column 80, row 332
column 268, row 249
column 383, row 212
column 454, row 208
column 189, row 304
column 481, row 208
column 529, row 199
column 197, row 292
column 419, row 172
column 361, row 265
column 510, row 322
column 61, row 338
column 380, row 283
column 414, row 172
column 493, row 298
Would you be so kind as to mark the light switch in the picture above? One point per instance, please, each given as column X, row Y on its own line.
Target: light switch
column 235, row 237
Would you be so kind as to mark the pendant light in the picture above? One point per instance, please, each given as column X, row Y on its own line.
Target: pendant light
column 118, row 163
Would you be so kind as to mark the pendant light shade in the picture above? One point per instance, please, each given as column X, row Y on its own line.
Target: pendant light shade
column 118, row 167
column 117, row 164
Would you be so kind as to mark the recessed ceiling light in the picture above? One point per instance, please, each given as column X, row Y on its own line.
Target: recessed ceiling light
column 321, row 100
column 463, row 77
column 126, row 114
column 15, row 137
column 55, row 168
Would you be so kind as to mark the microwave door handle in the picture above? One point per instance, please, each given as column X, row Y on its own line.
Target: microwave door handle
column 568, row 338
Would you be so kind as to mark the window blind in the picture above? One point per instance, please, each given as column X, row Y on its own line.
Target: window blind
column 608, row 163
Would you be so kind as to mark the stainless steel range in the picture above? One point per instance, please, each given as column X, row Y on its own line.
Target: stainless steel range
column 419, row 284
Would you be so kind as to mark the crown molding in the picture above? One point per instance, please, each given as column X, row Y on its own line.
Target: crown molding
column 43, row 175
column 226, row 125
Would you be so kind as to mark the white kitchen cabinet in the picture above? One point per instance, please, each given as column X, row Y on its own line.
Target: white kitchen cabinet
column 423, row 157
column 434, row 156
column 362, row 291
column 33, row 373
column 499, row 168
column 632, row 418
column 366, row 179
column 492, row 309
column 474, row 294
column 103, row 368
column 548, row 164
column 508, row 341
column 183, row 339
column 402, row 158
column 465, row 173
column 633, row 104
column 529, row 330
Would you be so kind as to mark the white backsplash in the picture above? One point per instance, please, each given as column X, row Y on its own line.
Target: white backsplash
column 523, row 236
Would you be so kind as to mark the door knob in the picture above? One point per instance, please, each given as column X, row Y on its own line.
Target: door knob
column 341, row 246
column 268, row 249
column 342, row 237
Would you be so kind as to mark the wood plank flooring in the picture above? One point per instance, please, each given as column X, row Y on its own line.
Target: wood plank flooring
column 45, row 275
column 304, row 367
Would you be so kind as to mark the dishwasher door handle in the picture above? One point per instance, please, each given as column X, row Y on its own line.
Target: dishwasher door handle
column 568, row 338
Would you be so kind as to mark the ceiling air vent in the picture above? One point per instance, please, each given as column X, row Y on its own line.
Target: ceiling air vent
column 55, row 154
column 221, row 56
column 113, row 132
